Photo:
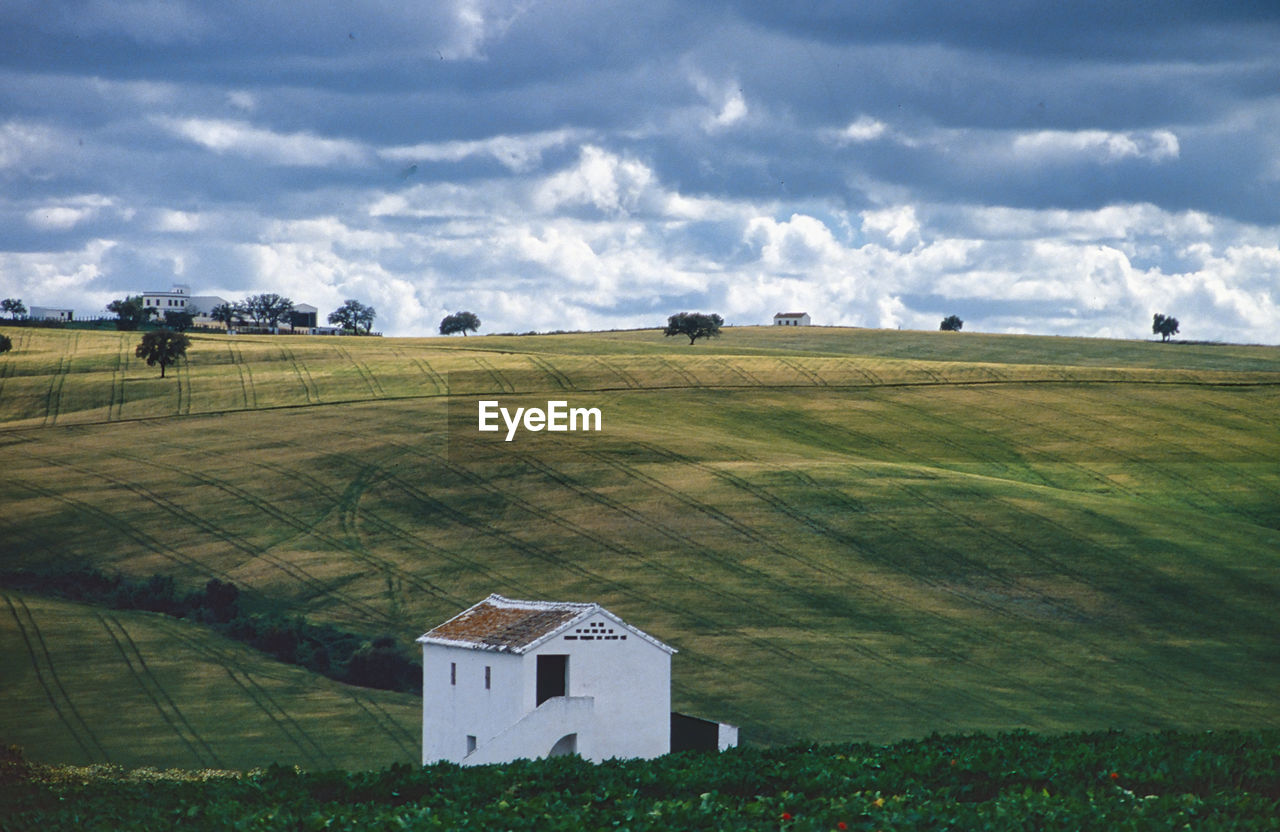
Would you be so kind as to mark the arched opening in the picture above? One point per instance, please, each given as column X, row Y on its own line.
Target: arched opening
column 566, row 745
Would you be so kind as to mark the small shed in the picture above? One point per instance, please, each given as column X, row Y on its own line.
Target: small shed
column 791, row 319
column 508, row 679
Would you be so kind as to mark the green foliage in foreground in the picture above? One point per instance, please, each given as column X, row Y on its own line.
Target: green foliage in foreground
column 1111, row 781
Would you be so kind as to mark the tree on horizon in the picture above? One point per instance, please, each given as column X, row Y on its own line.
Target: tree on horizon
column 353, row 314
column 1164, row 326
column 951, row 323
column 694, row 324
column 459, row 322
column 130, row 312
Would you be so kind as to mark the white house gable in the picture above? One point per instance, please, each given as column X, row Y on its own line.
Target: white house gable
column 506, row 679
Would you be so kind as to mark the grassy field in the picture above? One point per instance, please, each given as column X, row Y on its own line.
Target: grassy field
column 849, row 534
column 103, row 686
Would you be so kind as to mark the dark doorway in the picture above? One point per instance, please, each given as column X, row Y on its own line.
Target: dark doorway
column 553, row 676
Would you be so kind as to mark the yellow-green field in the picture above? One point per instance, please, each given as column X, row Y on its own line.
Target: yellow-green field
column 848, row 534
column 103, row 686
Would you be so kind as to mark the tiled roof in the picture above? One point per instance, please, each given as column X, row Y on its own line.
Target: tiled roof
column 506, row 625
column 791, row 314
column 498, row 623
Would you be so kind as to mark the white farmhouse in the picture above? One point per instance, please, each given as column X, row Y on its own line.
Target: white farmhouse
column 174, row 300
column 791, row 319
column 510, row 679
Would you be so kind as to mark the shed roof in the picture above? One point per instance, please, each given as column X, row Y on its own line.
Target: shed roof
column 507, row 625
column 791, row 314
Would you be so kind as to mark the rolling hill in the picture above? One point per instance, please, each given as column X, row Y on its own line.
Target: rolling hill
column 849, row 534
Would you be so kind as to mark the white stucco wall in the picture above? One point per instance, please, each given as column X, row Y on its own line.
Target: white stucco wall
column 630, row 681
column 452, row 711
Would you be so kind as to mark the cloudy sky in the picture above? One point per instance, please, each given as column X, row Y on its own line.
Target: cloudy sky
column 1061, row 168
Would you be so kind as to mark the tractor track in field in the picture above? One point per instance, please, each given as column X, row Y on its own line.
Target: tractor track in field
column 347, row 505
column 47, row 675
column 845, row 539
column 831, row 573
column 303, row 375
column 627, row 379
column 751, row 380
column 1137, row 576
column 318, row 587
column 438, row 381
column 183, row 378
column 1153, row 415
column 1138, row 462
column 1089, row 474
column 363, row 371
column 53, row 396
column 801, row 371
column 961, row 560
column 631, row 554
column 552, row 372
column 115, row 406
column 389, row 726
column 689, row 379
column 255, row 693
column 247, row 387
column 824, row 530
column 164, row 704
column 503, row 383
column 111, row 521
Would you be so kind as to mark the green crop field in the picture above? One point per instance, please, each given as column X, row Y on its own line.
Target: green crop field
column 103, row 686
column 848, row 534
column 1010, row 782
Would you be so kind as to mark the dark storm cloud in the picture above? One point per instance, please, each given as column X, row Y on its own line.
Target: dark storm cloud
column 619, row 157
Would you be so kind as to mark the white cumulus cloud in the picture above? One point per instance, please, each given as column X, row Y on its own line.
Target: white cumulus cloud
column 241, row 138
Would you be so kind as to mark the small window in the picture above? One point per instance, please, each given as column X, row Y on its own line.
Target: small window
column 471, row 743
column 453, row 673
column 488, row 676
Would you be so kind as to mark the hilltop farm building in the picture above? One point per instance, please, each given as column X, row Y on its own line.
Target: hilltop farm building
column 508, row 679
column 792, row 319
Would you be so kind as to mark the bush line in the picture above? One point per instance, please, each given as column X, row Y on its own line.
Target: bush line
column 378, row 662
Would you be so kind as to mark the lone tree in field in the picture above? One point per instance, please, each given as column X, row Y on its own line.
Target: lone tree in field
column 459, row 322
column 353, row 314
column 13, row 306
column 267, row 309
column 694, row 324
column 1164, row 326
column 951, row 323
column 130, row 312
column 163, row 347
column 228, row 314
column 5, row 343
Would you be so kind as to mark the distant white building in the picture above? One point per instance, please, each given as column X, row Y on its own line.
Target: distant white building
column 201, row 306
column 174, row 300
column 49, row 313
column 508, row 679
column 791, row 319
